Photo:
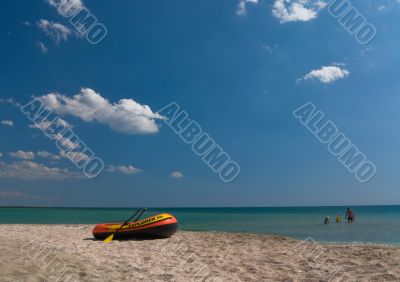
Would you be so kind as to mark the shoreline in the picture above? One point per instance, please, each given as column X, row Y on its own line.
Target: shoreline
column 29, row 252
column 382, row 244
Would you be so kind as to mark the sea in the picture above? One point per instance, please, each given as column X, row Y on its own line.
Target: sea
column 373, row 224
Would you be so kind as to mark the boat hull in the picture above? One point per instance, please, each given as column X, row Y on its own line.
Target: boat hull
column 158, row 226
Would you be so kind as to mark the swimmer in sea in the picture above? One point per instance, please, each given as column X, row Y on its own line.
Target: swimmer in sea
column 338, row 218
column 350, row 216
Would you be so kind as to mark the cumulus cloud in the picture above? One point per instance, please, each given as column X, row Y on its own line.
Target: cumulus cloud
column 45, row 124
column 11, row 101
column 125, row 116
column 176, row 174
column 241, row 9
column 56, row 31
column 381, row 8
column 26, row 23
column 297, row 10
column 7, row 123
column 75, row 156
column 75, row 3
column 65, row 142
column 48, row 155
column 42, row 47
column 19, row 195
column 68, row 7
column 23, row 155
column 123, row 169
column 327, row 74
column 270, row 48
column 30, row 170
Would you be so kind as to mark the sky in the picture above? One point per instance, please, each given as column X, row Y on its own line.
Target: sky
column 238, row 68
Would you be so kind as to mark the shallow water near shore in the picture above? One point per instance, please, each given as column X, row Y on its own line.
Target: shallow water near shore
column 374, row 224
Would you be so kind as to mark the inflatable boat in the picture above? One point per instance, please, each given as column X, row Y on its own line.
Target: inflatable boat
column 158, row 226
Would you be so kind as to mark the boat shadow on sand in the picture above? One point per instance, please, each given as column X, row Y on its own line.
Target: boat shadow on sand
column 128, row 239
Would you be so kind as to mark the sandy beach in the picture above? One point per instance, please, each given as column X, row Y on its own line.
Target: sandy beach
column 69, row 253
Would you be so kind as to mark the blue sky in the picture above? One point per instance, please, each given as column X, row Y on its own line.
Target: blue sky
column 239, row 68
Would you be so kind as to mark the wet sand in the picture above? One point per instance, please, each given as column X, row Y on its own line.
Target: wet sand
column 69, row 253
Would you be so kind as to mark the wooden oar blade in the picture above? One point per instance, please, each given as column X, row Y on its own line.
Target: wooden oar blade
column 109, row 239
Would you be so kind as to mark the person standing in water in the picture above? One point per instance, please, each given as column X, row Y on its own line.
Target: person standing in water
column 350, row 216
column 338, row 218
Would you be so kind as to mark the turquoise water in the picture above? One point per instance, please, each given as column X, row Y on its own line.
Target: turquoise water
column 374, row 224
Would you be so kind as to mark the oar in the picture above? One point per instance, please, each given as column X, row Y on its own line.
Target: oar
column 111, row 237
column 143, row 210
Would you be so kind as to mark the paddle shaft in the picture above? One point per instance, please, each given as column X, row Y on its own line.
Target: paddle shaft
column 143, row 210
column 127, row 221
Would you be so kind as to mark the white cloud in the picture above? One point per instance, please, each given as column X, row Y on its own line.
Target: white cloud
column 241, row 9
column 29, row 170
column 63, row 123
column 327, row 74
column 381, row 8
column 7, row 123
column 55, row 3
column 270, row 48
column 176, row 174
column 75, row 156
column 47, row 155
column 19, row 195
column 57, row 31
column 44, row 125
column 297, row 10
column 123, row 169
column 42, row 47
column 364, row 51
column 125, row 116
column 65, row 142
column 40, row 125
column 11, row 101
column 44, row 154
column 68, row 7
column 23, row 155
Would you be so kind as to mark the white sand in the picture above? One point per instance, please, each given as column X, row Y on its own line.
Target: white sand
column 69, row 253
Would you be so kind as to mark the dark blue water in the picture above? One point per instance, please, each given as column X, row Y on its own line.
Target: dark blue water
column 374, row 224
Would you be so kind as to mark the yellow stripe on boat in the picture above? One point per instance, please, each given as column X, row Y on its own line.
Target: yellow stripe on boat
column 140, row 223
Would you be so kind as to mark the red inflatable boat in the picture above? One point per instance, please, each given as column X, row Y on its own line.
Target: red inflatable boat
column 158, row 226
